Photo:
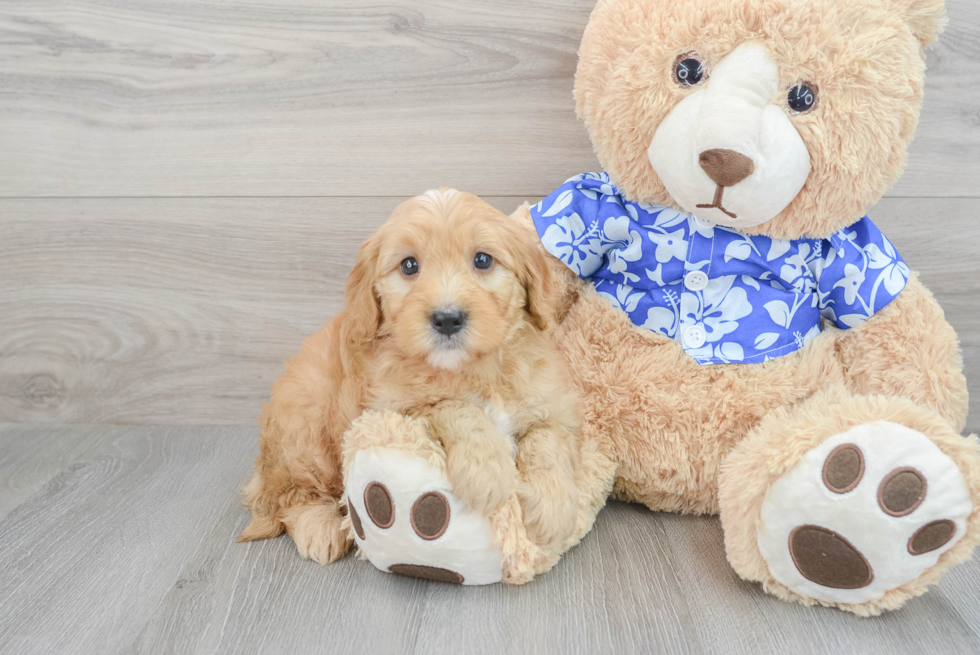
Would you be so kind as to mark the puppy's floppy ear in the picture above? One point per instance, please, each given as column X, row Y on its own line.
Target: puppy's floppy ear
column 362, row 314
column 535, row 274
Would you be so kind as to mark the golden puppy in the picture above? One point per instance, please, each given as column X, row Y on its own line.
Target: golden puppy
column 446, row 319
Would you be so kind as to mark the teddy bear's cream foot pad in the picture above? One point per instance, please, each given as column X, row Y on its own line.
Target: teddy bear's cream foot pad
column 865, row 512
column 407, row 521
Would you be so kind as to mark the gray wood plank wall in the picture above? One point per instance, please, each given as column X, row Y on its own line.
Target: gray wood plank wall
column 183, row 186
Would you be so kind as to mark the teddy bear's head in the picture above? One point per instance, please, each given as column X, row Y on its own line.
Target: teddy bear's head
column 780, row 117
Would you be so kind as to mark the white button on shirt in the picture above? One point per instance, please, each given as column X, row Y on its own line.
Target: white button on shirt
column 704, row 222
column 696, row 280
column 694, row 336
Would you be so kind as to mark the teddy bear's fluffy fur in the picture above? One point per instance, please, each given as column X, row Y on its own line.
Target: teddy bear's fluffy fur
column 714, row 438
column 866, row 58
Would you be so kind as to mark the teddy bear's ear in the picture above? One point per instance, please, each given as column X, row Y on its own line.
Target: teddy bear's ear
column 926, row 18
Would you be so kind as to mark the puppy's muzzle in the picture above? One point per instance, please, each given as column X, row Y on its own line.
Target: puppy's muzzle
column 448, row 323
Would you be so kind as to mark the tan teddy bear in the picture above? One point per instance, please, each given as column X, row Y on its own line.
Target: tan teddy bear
column 745, row 340
column 743, row 143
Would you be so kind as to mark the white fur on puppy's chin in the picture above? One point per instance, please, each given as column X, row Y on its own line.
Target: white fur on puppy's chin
column 733, row 112
column 448, row 359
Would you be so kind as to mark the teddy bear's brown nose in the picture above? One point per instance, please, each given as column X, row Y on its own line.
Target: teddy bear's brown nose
column 725, row 167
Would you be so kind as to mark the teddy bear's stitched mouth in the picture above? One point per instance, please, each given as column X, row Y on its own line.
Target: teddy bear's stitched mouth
column 716, row 202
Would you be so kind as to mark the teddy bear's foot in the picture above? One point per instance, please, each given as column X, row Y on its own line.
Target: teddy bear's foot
column 402, row 511
column 406, row 520
column 855, row 502
column 863, row 513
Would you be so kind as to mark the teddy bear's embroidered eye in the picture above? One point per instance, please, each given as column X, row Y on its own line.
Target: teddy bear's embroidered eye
column 689, row 69
column 802, row 97
column 410, row 266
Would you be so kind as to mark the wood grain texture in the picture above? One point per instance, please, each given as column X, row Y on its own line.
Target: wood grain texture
column 32, row 456
column 130, row 548
column 181, row 311
column 288, row 98
column 89, row 556
column 236, row 98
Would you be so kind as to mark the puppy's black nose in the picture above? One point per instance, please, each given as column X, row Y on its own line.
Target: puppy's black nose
column 448, row 323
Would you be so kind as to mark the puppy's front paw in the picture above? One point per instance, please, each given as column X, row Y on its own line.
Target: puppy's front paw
column 482, row 475
column 316, row 531
column 550, row 507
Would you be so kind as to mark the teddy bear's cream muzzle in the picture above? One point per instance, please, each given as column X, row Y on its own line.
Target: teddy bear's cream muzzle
column 726, row 152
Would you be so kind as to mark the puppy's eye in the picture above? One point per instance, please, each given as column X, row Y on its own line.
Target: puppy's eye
column 482, row 261
column 802, row 97
column 410, row 266
column 689, row 70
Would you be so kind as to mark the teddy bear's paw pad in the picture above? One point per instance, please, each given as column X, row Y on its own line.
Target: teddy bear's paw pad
column 430, row 515
column 828, row 559
column 407, row 521
column 427, row 573
column 379, row 505
column 863, row 513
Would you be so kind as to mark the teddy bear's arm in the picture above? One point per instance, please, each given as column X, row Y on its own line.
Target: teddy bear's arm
column 908, row 350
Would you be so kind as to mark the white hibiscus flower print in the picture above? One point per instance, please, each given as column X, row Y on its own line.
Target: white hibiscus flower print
column 566, row 239
column 671, row 245
column 718, row 308
column 894, row 272
column 851, row 283
column 796, row 272
column 625, row 298
column 622, row 246
column 660, row 319
column 664, row 217
column 722, row 318
column 664, row 319
column 778, row 248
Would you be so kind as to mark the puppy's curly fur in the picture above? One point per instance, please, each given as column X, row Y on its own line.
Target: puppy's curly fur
column 497, row 383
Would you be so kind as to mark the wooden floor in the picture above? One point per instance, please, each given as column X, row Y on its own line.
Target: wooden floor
column 121, row 539
column 183, row 186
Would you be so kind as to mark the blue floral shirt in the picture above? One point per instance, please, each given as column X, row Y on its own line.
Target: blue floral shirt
column 723, row 295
